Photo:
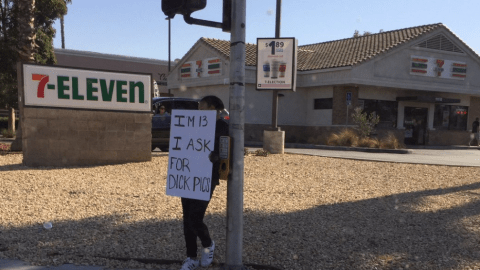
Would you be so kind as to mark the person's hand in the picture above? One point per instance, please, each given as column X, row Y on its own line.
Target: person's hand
column 213, row 157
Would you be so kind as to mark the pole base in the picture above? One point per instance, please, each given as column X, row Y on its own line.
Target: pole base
column 274, row 141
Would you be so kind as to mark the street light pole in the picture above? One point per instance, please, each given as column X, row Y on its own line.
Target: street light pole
column 237, row 123
column 169, row 46
column 275, row 92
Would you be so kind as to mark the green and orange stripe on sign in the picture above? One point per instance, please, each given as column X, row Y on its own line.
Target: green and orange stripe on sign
column 419, row 65
column 459, row 70
column 422, row 71
column 214, row 66
column 422, row 60
column 185, row 71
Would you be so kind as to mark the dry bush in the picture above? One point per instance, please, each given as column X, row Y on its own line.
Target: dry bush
column 369, row 142
column 4, row 148
column 391, row 142
column 8, row 133
column 346, row 137
column 262, row 153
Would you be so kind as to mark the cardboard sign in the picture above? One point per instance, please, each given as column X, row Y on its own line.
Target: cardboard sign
column 49, row 86
column 192, row 139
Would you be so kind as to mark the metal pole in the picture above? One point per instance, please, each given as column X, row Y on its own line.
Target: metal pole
column 169, row 47
column 347, row 116
column 237, row 123
column 275, row 92
column 169, row 42
column 278, row 18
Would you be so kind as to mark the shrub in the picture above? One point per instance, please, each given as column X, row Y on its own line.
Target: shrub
column 366, row 124
column 346, row 137
column 4, row 147
column 8, row 133
column 391, row 142
column 369, row 142
column 349, row 137
column 262, row 153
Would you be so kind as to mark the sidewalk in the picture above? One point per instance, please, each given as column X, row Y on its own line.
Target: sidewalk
column 7, row 264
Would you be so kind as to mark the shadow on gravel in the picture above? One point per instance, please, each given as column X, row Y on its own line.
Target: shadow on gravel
column 380, row 233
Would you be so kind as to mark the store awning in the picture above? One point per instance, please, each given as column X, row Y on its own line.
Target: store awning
column 427, row 99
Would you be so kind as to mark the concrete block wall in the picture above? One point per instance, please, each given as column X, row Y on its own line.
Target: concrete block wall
column 69, row 137
column 448, row 137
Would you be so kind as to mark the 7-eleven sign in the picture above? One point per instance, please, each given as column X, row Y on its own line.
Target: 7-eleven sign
column 201, row 68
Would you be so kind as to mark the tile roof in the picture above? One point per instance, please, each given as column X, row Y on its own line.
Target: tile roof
column 338, row 53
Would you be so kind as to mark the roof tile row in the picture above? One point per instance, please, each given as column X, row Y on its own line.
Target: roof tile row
column 338, row 53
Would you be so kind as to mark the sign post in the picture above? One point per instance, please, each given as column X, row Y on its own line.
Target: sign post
column 349, row 102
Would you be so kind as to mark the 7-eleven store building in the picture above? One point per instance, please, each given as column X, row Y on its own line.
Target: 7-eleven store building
column 423, row 82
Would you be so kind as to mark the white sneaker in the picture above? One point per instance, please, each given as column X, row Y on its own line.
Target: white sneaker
column 207, row 255
column 190, row 264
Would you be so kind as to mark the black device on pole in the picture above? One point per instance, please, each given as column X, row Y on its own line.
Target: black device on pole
column 184, row 7
column 187, row 7
column 227, row 16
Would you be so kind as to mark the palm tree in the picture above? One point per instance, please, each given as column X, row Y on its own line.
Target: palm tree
column 26, row 49
column 62, row 25
column 26, row 30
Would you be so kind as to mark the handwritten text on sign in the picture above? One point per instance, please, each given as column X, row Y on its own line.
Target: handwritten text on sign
column 192, row 138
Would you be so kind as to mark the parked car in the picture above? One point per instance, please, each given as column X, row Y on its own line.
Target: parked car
column 161, row 118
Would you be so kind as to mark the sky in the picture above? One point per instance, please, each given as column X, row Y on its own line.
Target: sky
column 139, row 28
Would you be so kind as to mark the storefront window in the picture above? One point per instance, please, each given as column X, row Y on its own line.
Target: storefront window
column 387, row 110
column 323, row 103
column 450, row 117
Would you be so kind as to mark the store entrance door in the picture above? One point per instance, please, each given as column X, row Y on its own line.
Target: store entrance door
column 415, row 123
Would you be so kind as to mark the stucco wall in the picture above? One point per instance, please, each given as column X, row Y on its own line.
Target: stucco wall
column 379, row 93
column 258, row 104
column 202, row 52
column 318, row 117
column 68, row 137
column 392, row 69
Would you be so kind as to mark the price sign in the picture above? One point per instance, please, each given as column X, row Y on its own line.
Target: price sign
column 276, row 63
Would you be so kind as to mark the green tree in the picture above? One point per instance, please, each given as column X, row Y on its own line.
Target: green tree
column 26, row 34
column 366, row 124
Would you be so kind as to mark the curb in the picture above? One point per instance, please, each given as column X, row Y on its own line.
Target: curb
column 338, row 148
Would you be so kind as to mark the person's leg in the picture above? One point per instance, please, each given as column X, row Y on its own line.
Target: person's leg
column 188, row 232
column 193, row 226
column 200, row 228
column 197, row 226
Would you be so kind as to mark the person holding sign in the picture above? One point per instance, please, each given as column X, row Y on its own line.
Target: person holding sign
column 194, row 210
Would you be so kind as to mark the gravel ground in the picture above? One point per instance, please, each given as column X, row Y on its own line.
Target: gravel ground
column 301, row 212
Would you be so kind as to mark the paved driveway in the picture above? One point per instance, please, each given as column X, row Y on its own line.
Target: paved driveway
column 450, row 157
